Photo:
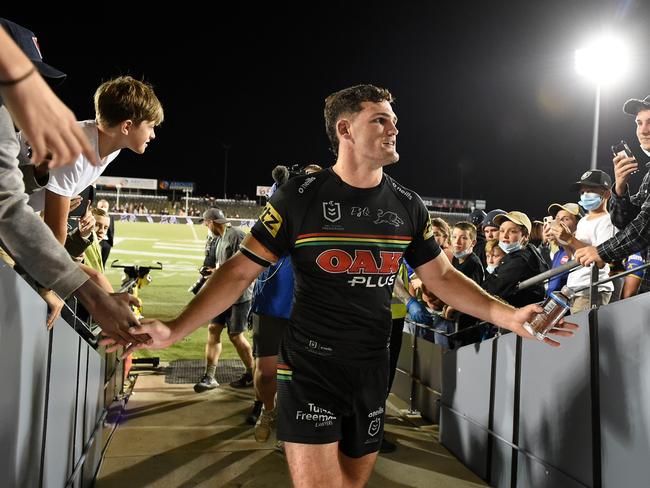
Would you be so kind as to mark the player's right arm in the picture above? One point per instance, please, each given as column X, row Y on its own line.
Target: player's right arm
column 221, row 290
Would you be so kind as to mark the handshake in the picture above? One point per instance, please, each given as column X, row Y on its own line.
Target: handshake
column 205, row 273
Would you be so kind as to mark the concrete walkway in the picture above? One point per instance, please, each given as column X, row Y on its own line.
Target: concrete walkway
column 173, row 437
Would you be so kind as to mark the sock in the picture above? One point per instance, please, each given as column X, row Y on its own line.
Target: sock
column 249, row 371
column 211, row 370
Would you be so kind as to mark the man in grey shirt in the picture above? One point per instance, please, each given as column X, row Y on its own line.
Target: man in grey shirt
column 223, row 246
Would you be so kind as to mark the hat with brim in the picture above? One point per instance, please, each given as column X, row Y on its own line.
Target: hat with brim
column 27, row 41
column 488, row 221
column 515, row 217
column 595, row 178
column 216, row 215
column 572, row 208
column 633, row 106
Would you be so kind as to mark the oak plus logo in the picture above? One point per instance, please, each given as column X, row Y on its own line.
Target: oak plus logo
column 367, row 270
column 332, row 211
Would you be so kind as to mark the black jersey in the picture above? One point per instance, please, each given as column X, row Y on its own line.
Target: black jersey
column 346, row 247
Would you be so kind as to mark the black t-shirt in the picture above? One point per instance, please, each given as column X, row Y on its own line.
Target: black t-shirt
column 346, row 245
column 471, row 267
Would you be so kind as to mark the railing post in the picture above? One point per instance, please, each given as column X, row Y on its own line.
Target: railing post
column 414, row 347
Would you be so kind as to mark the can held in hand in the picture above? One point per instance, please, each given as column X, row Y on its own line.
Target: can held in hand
column 555, row 307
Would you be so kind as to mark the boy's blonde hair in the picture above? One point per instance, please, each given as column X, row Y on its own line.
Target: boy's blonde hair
column 125, row 98
column 489, row 245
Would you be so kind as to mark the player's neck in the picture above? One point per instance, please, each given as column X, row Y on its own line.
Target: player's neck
column 358, row 175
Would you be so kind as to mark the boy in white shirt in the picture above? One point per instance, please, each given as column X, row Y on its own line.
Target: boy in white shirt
column 126, row 112
column 595, row 189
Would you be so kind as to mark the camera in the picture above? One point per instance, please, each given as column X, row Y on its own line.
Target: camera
column 296, row 170
column 205, row 273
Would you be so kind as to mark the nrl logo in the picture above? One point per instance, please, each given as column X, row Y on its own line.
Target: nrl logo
column 332, row 211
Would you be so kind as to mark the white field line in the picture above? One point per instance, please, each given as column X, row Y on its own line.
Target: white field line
column 196, row 238
column 187, row 247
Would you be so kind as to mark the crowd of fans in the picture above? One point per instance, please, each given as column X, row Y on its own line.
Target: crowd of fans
column 500, row 249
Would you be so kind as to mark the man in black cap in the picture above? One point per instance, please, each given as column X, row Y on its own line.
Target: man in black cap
column 631, row 213
column 52, row 128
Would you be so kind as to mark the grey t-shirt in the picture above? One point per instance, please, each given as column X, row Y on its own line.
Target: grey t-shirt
column 225, row 247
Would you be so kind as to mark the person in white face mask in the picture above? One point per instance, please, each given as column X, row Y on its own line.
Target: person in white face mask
column 595, row 228
column 493, row 256
column 521, row 261
column 463, row 240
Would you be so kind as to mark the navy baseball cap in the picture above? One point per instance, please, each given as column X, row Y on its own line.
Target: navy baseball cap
column 26, row 40
column 488, row 221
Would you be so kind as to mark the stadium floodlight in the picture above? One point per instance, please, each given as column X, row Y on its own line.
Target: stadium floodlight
column 604, row 61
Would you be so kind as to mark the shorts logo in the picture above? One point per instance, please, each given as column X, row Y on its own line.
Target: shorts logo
column 271, row 219
column 375, row 423
column 388, row 217
column 373, row 428
column 332, row 211
column 318, row 415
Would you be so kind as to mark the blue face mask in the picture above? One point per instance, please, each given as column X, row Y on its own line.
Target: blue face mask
column 590, row 201
column 508, row 247
column 462, row 254
column 490, row 268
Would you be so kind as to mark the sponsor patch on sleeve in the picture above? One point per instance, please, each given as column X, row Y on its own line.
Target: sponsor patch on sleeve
column 428, row 230
column 271, row 219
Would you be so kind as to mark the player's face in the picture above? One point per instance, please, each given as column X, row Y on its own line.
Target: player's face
column 140, row 135
column 374, row 133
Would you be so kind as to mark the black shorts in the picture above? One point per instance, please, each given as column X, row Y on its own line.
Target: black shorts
column 267, row 334
column 321, row 401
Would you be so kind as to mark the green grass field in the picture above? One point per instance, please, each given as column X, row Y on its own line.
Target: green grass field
column 180, row 248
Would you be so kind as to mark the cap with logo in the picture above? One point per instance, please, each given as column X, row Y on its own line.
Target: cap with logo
column 216, row 215
column 26, row 40
column 595, row 178
column 515, row 217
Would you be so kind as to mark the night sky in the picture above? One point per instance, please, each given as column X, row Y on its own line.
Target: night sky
column 488, row 100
